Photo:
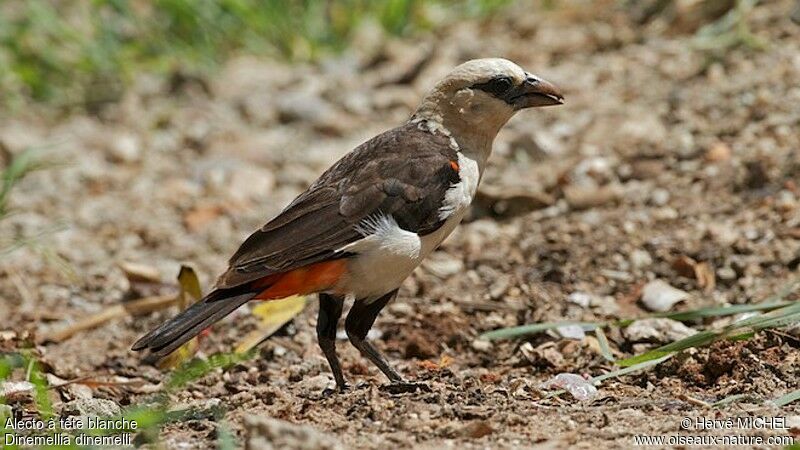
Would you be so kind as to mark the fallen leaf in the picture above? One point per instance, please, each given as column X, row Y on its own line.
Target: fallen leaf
column 684, row 265
column 700, row 271
column 190, row 293
column 273, row 314
column 444, row 362
column 706, row 277
column 190, row 286
column 137, row 272
column 133, row 308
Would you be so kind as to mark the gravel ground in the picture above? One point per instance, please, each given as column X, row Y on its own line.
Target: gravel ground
column 666, row 163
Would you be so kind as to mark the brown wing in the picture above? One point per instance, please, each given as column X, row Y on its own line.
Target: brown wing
column 404, row 173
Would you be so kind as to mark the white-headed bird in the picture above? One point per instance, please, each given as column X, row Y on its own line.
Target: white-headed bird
column 370, row 219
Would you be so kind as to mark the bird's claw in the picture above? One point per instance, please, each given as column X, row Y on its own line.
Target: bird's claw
column 337, row 390
column 405, row 387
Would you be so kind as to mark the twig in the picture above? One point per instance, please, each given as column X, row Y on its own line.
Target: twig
column 132, row 308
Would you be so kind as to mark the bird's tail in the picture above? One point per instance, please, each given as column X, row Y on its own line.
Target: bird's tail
column 189, row 323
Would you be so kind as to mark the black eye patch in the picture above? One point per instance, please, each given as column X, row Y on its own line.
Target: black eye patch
column 496, row 86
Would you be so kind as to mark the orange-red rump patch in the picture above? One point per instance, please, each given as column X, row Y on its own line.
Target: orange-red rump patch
column 454, row 165
column 301, row 281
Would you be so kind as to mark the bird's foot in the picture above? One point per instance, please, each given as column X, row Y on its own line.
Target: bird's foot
column 405, row 387
column 340, row 389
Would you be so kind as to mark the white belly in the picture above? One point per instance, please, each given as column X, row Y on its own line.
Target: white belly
column 388, row 254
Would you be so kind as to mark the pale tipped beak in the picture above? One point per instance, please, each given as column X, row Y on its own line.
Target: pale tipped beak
column 535, row 92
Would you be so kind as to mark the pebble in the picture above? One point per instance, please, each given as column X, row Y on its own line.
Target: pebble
column 660, row 197
column 91, row 407
column 571, row 332
column 726, row 273
column 580, row 298
column 267, row 433
column 442, row 265
column 125, row 148
column 250, row 183
column 657, row 330
column 317, row 383
column 659, row 296
column 580, row 388
column 580, row 197
column 482, row 345
column 640, row 259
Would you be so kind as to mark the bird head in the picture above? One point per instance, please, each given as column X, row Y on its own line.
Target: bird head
column 478, row 97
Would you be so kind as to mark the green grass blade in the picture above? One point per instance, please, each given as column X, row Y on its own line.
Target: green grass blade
column 721, row 311
column 605, row 349
column 633, row 368
column 524, row 330
column 787, row 398
column 730, row 399
column 696, row 340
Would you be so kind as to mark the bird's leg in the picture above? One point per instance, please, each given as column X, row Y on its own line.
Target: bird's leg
column 330, row 310
column 359, row 321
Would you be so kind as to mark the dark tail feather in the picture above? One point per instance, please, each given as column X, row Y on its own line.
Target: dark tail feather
column 189, row 323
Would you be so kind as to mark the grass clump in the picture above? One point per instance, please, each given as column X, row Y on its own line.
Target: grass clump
column 79, row 52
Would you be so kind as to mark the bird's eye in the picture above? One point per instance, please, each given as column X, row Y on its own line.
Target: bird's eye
column 498, row 86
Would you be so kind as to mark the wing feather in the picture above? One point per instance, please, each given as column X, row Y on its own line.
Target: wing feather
column 406, row 175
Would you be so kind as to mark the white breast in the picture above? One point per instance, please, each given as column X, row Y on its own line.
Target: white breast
column 388, row 254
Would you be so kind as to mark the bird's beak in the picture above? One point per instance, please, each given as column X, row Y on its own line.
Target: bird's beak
column 535, row 92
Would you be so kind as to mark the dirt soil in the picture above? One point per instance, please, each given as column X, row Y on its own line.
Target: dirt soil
column 664, row 157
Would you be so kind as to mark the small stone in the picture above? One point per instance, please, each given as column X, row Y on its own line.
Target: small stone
column 266, row 433
column 91, row 407
column 580, row 388
column 14, row 388
column 250, row 183
column 659, row 296
column 125, row 148
column 580, row 197
column 317, row 383
column 571, row 332
column 442, row 265
column 723, row 234
column 718, row 152
column 499, row 287
column 640, row 259
column 726, row 273
column 660, row 197
column 657, row 330
column 482, row 345
column 401, row 309
column 606, row 305
column 581, row 299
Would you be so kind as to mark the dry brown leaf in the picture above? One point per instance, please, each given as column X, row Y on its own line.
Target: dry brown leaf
column 444, row 362
column 684, row 266
column 273, row 315
column 189, row 294
column 133, row 308
column 700, row 271
column 137, row 272
column 706, row 278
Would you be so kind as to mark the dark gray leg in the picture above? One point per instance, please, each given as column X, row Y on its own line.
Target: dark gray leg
column 359, row 321
column 330, row 310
